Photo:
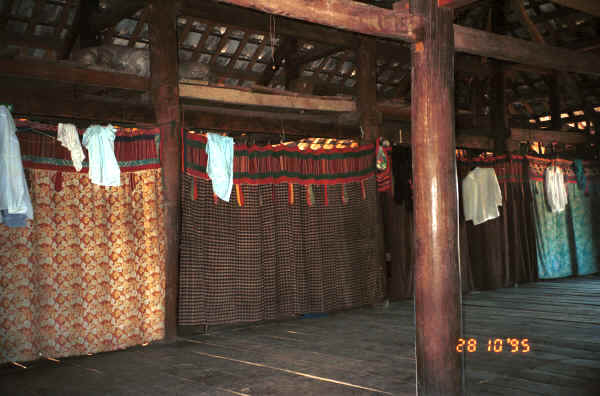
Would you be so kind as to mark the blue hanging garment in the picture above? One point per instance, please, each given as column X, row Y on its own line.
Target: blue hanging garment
column 219, row 166
column 100, row 143
column 15, row 203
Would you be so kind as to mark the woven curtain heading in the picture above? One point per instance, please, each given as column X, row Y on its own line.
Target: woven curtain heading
column 282, row 164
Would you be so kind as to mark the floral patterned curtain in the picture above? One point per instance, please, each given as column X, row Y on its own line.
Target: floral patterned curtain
column 88, row 274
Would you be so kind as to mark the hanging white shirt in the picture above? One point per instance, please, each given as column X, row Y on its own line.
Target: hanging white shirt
column 481, row 195
column 556, row 192
column 100, row 143
column 14, row 193
column 69, row 138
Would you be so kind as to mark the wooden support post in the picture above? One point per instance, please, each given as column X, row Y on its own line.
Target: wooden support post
column 498, row 108
column 437, row 274
column 498, row 102
column 165, row 96
column 370, row 118
column 476, row 101
column 87, row 36
column 553, row 83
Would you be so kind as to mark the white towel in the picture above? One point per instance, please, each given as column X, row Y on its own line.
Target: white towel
column 69, row 138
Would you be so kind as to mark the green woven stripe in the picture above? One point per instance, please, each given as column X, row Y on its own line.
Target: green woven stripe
column 62, row 162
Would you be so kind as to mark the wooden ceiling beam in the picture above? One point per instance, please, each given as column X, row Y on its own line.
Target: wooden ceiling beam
column 588, row 6
column 342, row 14
column 51, row 101
column 245, row 97
column 22, row 40
column 478, row 42
column 547, row 136
column 271, row 126
column 257, row 21
column 68, row 74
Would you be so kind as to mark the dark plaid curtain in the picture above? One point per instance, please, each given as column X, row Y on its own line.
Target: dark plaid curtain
column 497, row 253
column 269, row 258
column 301, row 234
column 502, row 251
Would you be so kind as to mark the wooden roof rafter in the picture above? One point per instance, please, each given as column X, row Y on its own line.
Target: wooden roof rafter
column 139, row 26
column 201, row 43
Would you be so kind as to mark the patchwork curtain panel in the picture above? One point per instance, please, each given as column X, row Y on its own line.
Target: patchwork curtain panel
column 88, row 275
column 301, row 234
column 567, row 242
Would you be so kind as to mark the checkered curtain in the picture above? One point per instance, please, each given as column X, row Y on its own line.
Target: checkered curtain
column 270, row 258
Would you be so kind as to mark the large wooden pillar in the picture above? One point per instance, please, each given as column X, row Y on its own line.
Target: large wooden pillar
column 165, row 96
column 437, row 275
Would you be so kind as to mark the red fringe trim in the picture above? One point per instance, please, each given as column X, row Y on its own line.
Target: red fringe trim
column 240, row 195
column 58, row 181
column 363, row 189
column 291, row 193
column 132, row 181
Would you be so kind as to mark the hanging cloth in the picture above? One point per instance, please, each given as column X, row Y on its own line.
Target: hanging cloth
column 100, row 143
column 69, row 138
column 219, row 165
column 556, row 192
column 481, row 195
column 580, row 174
column 15, row 203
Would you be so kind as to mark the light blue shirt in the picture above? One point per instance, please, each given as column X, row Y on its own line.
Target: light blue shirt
column 15, row 203
column 219, row 166
column 100, row 143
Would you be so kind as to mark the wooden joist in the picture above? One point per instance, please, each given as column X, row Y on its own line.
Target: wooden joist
column 591, row 7
column 217, row 119
column 22, row 40
column 242, row 97
column 64, row 73
column 547, row 136
column 342, row 14
column 455, row 3
column 44, row 101
column 476, row 142
column 478, row 42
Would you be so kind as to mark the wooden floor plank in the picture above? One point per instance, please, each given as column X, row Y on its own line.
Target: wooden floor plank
column 362, row 351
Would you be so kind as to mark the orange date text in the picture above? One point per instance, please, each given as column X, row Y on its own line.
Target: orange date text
column 494, row 345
